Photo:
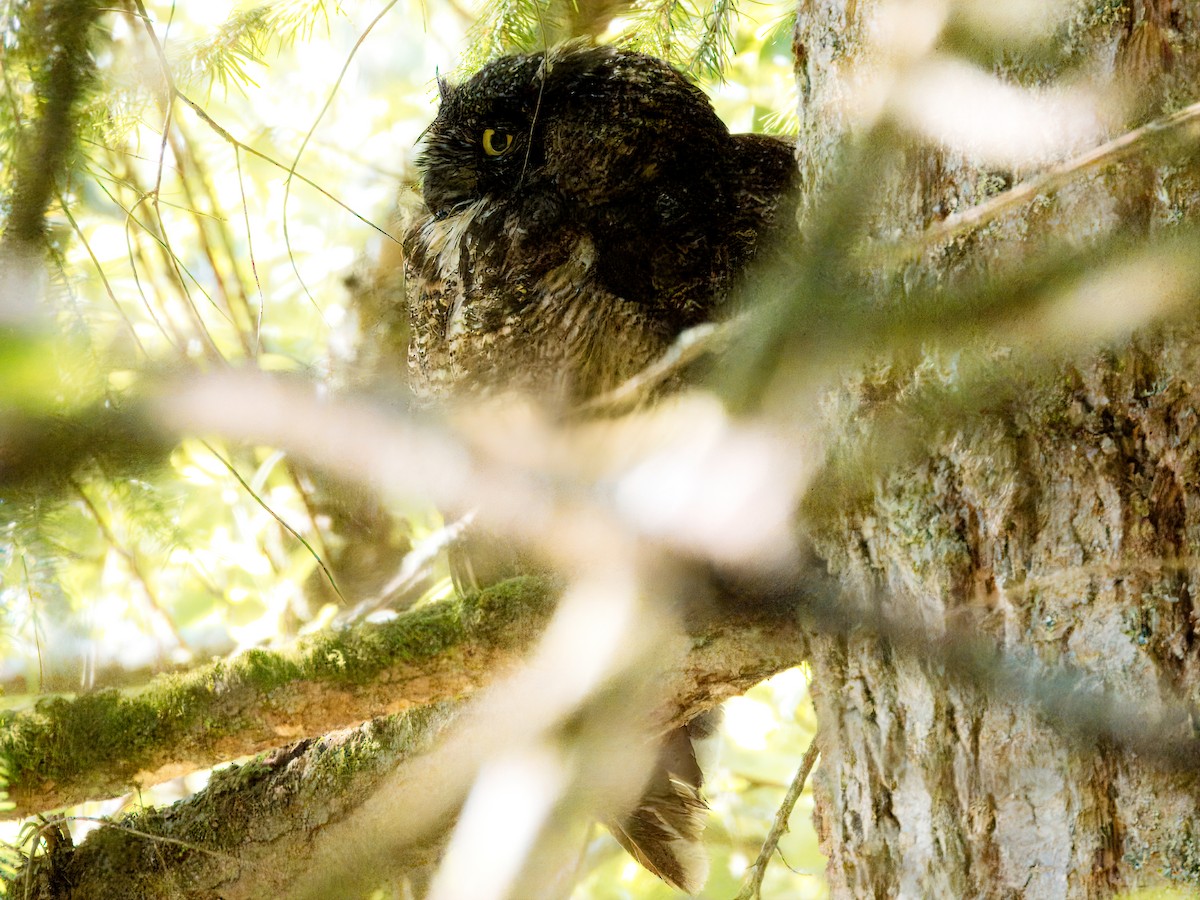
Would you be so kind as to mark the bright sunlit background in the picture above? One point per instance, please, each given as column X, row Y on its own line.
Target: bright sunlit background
column 199, row 248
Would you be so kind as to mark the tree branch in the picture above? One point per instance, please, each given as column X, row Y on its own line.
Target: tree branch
column 247, row 834
column 753, row 888
column 68, row 72
column 366, row 804
column 103, row 744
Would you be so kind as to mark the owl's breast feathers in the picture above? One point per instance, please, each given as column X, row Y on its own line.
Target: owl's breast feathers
column 618, row 212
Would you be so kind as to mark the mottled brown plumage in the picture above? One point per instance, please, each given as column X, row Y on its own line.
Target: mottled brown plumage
column 618, row 212
column 584, row 207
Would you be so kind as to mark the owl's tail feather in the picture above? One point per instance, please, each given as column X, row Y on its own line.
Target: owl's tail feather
column 664, row 831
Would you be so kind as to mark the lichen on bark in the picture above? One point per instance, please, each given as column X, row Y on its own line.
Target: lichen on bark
column 1044, row 497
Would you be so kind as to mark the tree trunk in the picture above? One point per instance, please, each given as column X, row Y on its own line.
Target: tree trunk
column 1062, row 520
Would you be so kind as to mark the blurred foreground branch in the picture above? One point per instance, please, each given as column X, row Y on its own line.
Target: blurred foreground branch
column 765, row 606
column 1180, row 126
column 520, row 498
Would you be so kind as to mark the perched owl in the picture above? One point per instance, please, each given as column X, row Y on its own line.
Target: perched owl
column 584, row 207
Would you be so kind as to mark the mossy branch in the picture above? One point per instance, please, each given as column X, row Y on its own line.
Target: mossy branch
column 65, row 751
column 250, row 833
column 335, row 816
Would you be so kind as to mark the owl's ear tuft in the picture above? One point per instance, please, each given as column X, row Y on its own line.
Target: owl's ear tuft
column 443, row 88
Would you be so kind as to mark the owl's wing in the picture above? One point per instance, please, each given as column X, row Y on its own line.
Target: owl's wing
column 764, row 185
column 431, row 291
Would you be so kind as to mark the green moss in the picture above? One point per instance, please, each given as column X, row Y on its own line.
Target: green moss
column 60, row 738
column 97, row 742
column 422, row 632
column 358, row 655
column 511, row 613
column 263, row 669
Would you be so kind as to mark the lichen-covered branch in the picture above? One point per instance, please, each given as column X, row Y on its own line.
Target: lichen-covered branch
column 249, row 833
column 350, row 809
column 103, row 744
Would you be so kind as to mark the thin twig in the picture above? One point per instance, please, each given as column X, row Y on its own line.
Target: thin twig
column 287, row 186
column 237, row 158
column 754, row 886
column 173, row 337
column 33, row 615
column 181, row 148
column 168, row 86
column 290, row 530
column 161, row 838
column 170, row 93
column 66, row 209
column 131, row 560
column 212, row 123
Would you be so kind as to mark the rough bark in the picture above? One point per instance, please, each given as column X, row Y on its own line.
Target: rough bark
column 1061, row 518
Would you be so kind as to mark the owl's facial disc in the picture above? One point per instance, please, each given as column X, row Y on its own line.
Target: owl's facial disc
column 465, row 160
column 481, row 142
column 447, row 184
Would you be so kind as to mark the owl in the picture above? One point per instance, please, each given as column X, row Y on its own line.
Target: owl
column 583, row 208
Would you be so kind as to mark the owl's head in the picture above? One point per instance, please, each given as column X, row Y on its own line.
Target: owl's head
column 592, row 124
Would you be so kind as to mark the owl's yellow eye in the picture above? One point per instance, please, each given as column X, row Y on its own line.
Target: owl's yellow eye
column 496, row 143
